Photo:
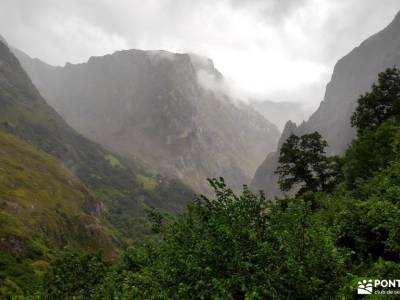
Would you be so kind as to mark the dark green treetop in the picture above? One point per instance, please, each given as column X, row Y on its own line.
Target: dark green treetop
column 381, row 103
column 303, row 162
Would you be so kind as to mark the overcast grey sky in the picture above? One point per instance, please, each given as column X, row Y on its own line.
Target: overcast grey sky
column 283, row 50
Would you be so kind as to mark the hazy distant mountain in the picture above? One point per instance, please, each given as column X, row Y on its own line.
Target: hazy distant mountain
column 281, row 112
column 163, row 108
column 121, row 184
column 353, row 75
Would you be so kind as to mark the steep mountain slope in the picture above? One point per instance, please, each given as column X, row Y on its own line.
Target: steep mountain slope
column 353, row 75
column 43, row 207
column 164, row 108
column 122, row 185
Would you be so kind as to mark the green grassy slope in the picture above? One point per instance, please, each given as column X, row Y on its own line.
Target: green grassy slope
column 112, row 179
column 43, row 207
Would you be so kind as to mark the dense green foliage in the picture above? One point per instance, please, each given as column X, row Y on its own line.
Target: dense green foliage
column 372, row 151
column 19, row 276
column 74, row 275
column 302, row 163
column 231, row 247
column 381, row 103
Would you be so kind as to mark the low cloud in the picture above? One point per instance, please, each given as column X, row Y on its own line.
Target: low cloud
column 283, row 50
column 273, row 11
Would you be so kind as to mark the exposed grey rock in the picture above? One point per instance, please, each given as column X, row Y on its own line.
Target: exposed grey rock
column 152, row 105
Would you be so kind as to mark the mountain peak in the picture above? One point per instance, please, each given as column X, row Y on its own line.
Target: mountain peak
column 155, row 57
column 3, row 40
column 289, row 125
column 289, row 129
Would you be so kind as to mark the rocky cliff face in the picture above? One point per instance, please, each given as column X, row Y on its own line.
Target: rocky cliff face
column 353, row 75
column 163, row 108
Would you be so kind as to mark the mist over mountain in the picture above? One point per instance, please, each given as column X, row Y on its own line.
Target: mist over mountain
column 123, row 186
column 281, row 112
column 353, row 75
column 168, row 110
